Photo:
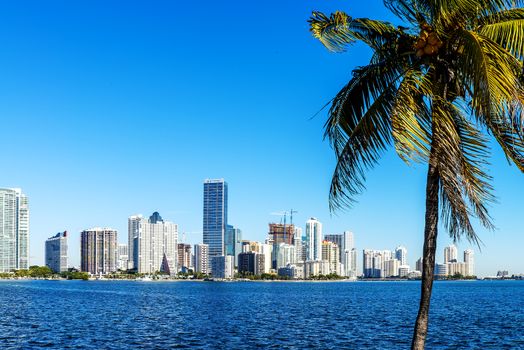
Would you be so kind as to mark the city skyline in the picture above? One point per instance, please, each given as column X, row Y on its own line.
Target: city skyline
column 135, row 91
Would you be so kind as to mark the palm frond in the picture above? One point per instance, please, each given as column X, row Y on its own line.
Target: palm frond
column 411, row 119
column 506, row 29
column 339, row 30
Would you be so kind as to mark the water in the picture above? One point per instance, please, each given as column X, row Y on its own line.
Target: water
column 361, row 315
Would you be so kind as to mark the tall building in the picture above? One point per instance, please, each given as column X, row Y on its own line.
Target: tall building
column 251, row 263
column 450, row 254
column 215, row 215
column 133, row 223
column 418, row 265
column 233, row 242
column 122, row 262
column 469, row 260
column 154, row 244
column 298, row 243
column 185, row 258
column 280, row 233
column 331, row 254
column 348, row 254
column 286, row 255
column 56, row 252
column 14, row 230
column 201, row 257
column 313, row 239
column 223, row 266
column 374, row 262
column 401, row 254
column 98, row 250
column 391, row 268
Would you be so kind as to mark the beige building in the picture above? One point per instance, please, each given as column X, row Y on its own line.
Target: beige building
column 98, row 250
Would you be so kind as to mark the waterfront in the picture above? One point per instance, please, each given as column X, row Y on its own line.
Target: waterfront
column 371, row 315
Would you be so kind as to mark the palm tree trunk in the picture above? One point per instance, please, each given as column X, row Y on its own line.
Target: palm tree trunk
column 430, row 246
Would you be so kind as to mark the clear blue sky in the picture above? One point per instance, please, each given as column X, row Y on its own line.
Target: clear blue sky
column 109, row 110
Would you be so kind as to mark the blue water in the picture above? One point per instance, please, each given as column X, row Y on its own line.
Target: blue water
column 361, row 315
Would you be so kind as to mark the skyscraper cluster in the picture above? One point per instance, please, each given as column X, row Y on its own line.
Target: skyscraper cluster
column 452, row 267
column 385, row 263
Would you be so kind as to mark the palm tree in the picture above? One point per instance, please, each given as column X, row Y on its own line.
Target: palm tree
column 436, row 89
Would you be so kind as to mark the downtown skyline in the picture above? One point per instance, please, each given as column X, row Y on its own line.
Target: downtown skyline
column 311, row 235
column 96, row 104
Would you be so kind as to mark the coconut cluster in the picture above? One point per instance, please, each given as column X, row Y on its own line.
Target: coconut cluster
column 428, row 42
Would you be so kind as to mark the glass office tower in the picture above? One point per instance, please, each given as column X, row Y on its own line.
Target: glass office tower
column 215, row 216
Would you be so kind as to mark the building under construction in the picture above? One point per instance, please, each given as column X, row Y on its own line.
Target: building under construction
column 281, row 233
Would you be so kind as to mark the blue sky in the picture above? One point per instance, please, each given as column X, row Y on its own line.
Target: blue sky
column 109, row 110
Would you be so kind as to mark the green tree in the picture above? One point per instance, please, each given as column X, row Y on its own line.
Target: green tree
column 434, row 89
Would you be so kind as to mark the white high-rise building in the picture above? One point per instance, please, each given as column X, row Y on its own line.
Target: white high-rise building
column 450, row 254
column 266, row 249
column 286, row 255
column 14, row 230
column 391, row 268
column 133, row 223
column 299, row 246
column 469, row 260
column 401, row 254
column 56, row 252
column 313, row 240
column 155, row 245
column 201, row 257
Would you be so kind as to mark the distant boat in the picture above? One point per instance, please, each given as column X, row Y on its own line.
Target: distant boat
column 144, row 279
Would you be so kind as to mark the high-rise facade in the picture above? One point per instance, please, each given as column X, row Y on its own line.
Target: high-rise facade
column 201, row 258
column 286, row 255
column 154, row 244
column 56, row 252
column 347, row 252
column 233, row 242
column 313, row 239
column 98, row 250
column 469, row 260
column 215, row 215
column 450, row 254
column 185, row 256
column 14, row 230
column 401, row 254
column 331, row 254
column 133, row 223
column 223, row 267
column 251, row 263
column 122, row 257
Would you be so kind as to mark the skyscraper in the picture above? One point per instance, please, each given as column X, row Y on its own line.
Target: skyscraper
column 450, row 254
column 98, row 250
column 185, row 256
column 233, row 242
column 56, row 252
column 347, row 254
column 154, row 244
column 215, row 215
column 469, row 260
column 133, row 223
column 122, row 262
column 331, row 254
column 201, row 257
column 313, row 239
column 223, row 266
column 401, row 254
column 14, row 230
